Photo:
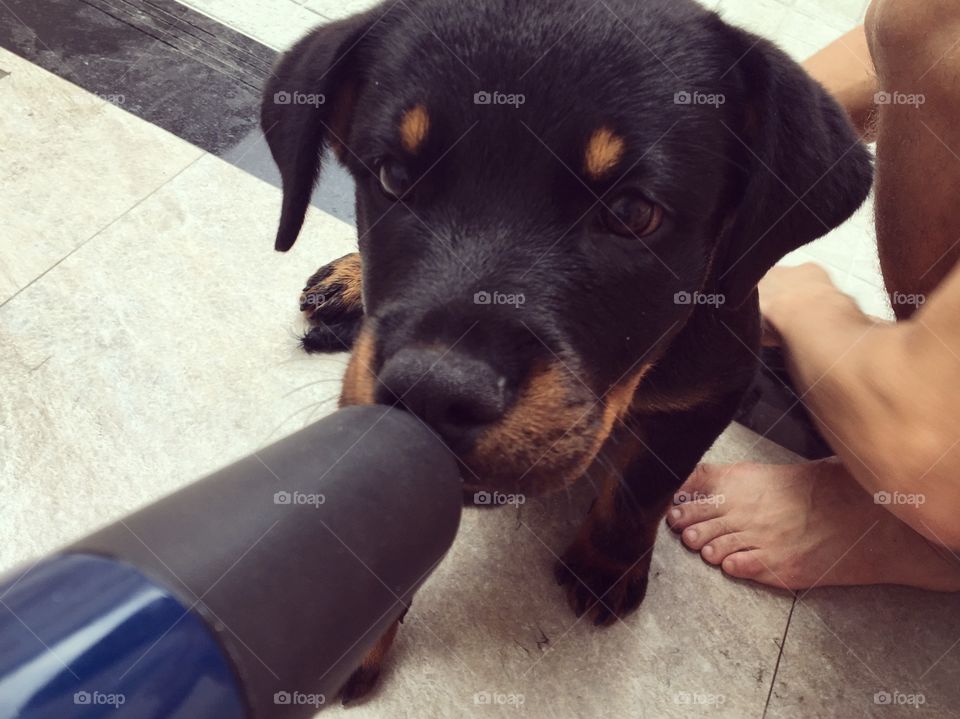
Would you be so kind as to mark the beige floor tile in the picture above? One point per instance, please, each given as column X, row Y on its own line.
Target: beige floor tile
column 800, row 27
column 336, row 9
column 163, row 348
column 70, row 164
column 763, row 17
column 806, row 29
column 870, row 652
column 275, row 23
column 852, row 11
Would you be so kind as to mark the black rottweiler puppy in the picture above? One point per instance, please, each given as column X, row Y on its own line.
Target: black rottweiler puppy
column 563, row 210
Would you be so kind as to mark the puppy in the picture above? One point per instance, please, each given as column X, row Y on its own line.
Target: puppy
column 563, row 209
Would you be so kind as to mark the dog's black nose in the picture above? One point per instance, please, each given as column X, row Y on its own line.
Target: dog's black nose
column 452, row 392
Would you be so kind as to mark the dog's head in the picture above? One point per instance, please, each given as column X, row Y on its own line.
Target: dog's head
column 545, row 192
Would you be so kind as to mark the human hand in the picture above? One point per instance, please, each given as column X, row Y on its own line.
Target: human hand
column 787, row 290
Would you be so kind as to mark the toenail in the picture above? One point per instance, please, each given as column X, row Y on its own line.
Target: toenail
column 691, row 534
column 707, row 551
column 675, row 514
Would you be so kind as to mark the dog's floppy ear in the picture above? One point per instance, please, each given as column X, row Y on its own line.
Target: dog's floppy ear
column 309, row 98
column 807, row 170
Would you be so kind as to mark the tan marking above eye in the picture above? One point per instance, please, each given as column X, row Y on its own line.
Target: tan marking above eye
column 414, row 126
column 604, row 151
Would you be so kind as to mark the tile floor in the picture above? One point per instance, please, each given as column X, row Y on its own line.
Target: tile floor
column 140, row 351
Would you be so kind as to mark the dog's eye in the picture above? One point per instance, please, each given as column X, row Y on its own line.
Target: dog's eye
column 394, row 179
column 631, row 215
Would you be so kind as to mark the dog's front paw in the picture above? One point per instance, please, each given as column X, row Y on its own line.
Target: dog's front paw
column 365, row 677
column 332, row 304
column 605, row 588
column 360, row 684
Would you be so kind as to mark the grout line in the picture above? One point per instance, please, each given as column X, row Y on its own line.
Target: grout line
column 230, row 24
column 315, row 12
column 776, row 667
column 103, row 229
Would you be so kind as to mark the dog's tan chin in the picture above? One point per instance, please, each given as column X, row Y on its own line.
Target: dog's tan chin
column 542, row 467
column 548, row 439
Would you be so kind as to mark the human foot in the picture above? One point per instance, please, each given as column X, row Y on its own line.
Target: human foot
column 801, row 526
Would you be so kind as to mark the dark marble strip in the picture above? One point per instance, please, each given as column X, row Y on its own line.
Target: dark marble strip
column 169, row 65
column 155, row 58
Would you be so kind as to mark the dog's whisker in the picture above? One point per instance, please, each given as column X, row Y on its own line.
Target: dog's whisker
column 290, row 416
column 604, row 459
column 588, row 476
column 593, row 485
column 336, row 358
column 319, row 406
column 323, row 380
column 333, row 357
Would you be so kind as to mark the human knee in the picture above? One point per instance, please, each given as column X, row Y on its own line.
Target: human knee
column 905, row 31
